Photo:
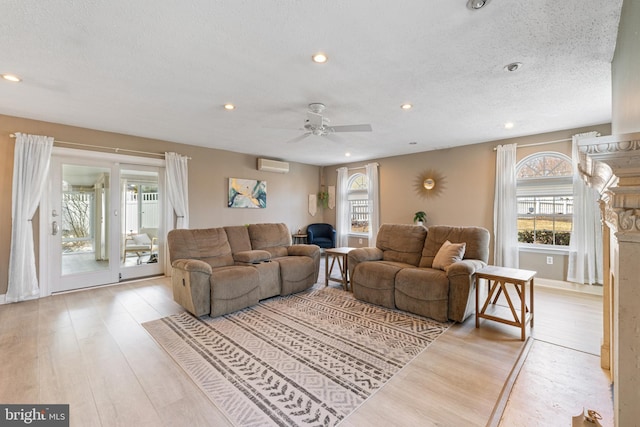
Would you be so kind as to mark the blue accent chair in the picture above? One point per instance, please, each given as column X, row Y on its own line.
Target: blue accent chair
column 323, row 235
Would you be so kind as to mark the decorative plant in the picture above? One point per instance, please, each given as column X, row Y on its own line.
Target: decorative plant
column 420, row 216
column 323, row 199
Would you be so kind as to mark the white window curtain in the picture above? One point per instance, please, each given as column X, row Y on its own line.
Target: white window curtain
column 374, row 202
column 585, row 247
column 505, row 209
column 342, row 208
column 31, row 161
column 178, row 187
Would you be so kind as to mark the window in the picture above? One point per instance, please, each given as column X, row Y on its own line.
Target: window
column 545, row 199
column 77, row 219
column 358, row 197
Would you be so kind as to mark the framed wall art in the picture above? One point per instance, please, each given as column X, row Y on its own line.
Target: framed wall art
column 247, row 193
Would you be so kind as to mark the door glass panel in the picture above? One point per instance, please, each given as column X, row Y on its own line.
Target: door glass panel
column 83, row 225
column 140, row 222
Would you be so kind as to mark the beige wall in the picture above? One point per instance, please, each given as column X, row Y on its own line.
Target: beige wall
column 625, row 70
column 467, row 188
column 209, row 170
column 466, row 197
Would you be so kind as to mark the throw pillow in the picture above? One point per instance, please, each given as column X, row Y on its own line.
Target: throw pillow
column 448, row 254
column 141, row 239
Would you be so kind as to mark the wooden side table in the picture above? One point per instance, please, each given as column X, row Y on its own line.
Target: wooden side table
column 500, row 276
column 299, row 239
column 341, row 255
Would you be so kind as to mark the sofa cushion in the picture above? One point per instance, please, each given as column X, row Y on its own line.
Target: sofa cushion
column 401, row 242
column 423, row 291
column 142, row 239
column 448, row 254
column 238, row 236
column 476, row 239
column 233, row 288
column 251, row 257
column 296, row 273
column 209, row 245
column 274, row 238
column 374, row 282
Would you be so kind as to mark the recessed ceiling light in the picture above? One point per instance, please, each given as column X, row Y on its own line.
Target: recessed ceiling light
column 509, row 125
column 229, row 107
column 319, row 58
column 406, row 106
column 11, row 78
column 347, row 154
column 514, row 66
column 477, row 4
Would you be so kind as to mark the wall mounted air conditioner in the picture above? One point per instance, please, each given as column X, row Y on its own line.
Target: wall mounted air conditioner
column 273, row 166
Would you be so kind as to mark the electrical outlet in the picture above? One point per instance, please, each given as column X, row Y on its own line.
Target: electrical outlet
column 359, row 241
column 549, row 260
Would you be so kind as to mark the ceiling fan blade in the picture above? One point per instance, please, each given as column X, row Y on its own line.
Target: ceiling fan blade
column 315, row 120
column 299, row 138
column 350, row 128
column 334, row 138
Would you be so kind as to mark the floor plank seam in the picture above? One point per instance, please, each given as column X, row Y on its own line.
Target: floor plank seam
column 567, row 347
column 501, row 403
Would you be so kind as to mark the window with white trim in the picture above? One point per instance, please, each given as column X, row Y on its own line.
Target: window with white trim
column 545, row 199
column 358, row 196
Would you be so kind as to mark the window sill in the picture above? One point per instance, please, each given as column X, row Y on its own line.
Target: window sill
column 358, row 235
column 544, row 249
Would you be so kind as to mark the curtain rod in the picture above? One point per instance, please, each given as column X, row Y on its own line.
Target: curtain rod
column 539, row 143
column 361, row 167
column 115, row 150
column 355, row 168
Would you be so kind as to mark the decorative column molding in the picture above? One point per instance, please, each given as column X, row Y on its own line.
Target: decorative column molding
column 611, row 164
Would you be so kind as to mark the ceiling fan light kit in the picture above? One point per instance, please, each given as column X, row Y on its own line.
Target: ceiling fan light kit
column 514, row 66
column 477, row 4
column 318, row 125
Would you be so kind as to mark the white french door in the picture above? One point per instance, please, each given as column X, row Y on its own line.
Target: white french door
column 101, row 220
column 83, row 222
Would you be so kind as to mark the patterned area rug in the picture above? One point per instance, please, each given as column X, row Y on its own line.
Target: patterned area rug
column 308, row 359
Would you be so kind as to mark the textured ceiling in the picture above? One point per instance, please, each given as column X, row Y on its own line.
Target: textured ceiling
column 164, row 68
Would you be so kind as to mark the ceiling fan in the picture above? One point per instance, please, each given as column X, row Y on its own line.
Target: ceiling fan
column 318, row 125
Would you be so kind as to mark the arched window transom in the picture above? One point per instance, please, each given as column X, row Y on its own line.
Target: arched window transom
column 545, row 199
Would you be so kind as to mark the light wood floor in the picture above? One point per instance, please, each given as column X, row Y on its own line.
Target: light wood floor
column 89, row 349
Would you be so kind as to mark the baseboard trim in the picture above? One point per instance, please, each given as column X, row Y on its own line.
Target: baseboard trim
column 3, row 299
column 569, row 286
column 501, row 404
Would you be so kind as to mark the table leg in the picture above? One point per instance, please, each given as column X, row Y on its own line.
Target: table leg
column 477, row 302
column 523, row 312
column 345, row 261
column 531, row 298
column 326, row 269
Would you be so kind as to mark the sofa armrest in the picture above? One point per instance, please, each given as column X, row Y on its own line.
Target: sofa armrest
column 192, row 265
column 311, row 251
column 190, row 281
column 303, row 250
column 461, row 287
column 465, row 267
column 359, row 255
column 365, row 254
column 251, row 257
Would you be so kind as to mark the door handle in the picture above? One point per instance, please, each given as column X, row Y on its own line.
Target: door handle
column 54, row 228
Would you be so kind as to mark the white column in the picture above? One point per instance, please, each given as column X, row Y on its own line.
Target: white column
column 612, row 165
